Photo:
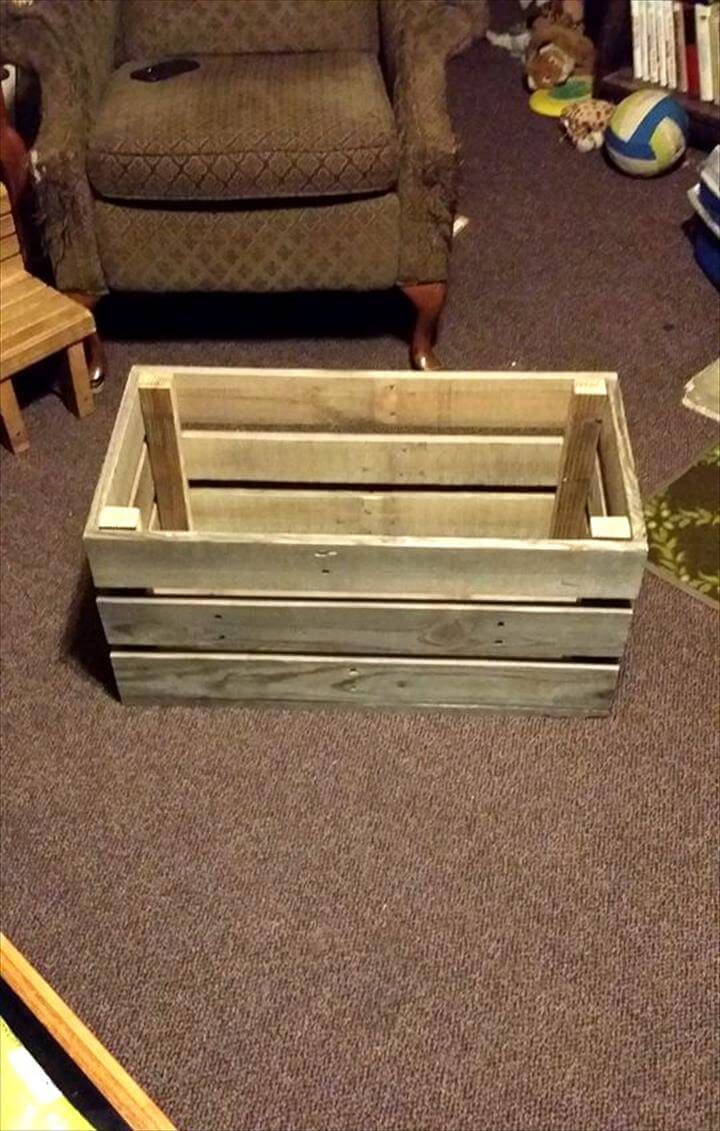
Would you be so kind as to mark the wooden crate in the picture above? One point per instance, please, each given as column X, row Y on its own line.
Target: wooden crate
column 375, row 539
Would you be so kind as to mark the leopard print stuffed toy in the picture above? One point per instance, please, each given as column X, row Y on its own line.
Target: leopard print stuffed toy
column 584, row 123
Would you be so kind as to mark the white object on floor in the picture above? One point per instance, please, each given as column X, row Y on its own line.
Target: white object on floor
column 514, row 42
column 460, row 223
column 702, row 392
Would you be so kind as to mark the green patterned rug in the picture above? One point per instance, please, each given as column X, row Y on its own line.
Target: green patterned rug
column 683, row 525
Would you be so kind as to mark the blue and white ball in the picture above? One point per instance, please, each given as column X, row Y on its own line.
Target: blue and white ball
column 647, row 133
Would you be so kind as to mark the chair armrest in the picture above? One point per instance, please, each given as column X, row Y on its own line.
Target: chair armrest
column 70, row 45
column 418, row 38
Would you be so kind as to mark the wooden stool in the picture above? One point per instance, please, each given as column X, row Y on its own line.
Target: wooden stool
column 36, row 321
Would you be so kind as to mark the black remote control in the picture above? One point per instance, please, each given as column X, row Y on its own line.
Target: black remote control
column 165, row 69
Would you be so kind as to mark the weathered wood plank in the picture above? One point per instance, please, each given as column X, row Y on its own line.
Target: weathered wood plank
column 464, row 514
column 162, row 434
column 597, row 502
column 415, row 569
column 360, row 681
column 588, row 407
column 615, row 446
column 118, row 475
column 349, row 400
column 397, row 459
column 142, row 494
column 377, row 628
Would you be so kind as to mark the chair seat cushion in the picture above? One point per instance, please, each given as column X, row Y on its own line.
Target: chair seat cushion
column 247, row 127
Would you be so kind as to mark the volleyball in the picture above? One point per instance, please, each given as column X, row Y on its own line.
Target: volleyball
column 647, row 133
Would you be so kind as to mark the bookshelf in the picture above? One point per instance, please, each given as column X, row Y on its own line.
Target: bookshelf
column 608, row 24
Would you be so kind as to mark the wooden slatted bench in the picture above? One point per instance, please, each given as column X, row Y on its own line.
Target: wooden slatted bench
column 36, row 321
column 369, row 539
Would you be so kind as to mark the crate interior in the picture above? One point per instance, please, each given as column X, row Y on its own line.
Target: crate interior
column 389, row 456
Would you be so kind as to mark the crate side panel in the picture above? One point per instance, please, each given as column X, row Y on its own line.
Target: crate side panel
column 351, row 401
column 375, row 628
column 415, row 514
column 361, row 681
column 414, row 569
column 389, row 459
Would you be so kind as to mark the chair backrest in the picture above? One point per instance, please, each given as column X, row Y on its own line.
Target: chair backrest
column 156, row 28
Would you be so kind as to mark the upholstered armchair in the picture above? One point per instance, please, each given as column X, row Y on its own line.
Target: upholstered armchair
column 311, row 149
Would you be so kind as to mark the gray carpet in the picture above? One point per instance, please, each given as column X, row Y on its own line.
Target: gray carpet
column 335, row 921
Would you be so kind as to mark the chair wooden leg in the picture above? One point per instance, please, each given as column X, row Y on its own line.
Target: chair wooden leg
column 76, row 385
column 12, row 418
column 428, row 300
column 94, row 349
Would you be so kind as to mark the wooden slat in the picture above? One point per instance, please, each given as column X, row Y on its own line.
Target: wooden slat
column 162, row 433
column 44, row 317
column 361, row 681
column 48, row 341
column 20, row 317
column 7, row 225
column 619, row 467
column 142, row 494
column 588, row 407
column 4, row 201
column 11, row 270
column 84, row 1049
column 383, row 513
column 9, row 246
column 352, row 401
column 119, row 470
column 410, row 568
column 19, row 290
column 597, row 500
column 399, row 460
column 47, row 323
column 375, row 628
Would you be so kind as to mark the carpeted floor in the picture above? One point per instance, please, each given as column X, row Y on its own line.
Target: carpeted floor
column 343, row 922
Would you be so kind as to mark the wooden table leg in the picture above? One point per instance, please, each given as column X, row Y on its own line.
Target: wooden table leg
column 12, row 418
column 428, row 300
column 78, row 395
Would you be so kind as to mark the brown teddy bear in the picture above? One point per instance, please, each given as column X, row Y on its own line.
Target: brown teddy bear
column 555, row 52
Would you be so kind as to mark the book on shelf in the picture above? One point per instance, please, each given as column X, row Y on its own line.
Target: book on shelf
column 691, row 53
column 661, row 46
column 702, row 34
column 679, row 21
column 637, row 14
column 652, row 41
column 676, row 44
column 670, row 48
column 715, row 51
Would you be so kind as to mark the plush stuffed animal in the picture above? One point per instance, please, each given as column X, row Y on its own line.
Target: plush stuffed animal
column 571, row 13
column 555, row 52
column 584, row 123
column 549, row 66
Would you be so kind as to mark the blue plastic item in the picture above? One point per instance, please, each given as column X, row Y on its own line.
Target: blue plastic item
column 707, row 253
